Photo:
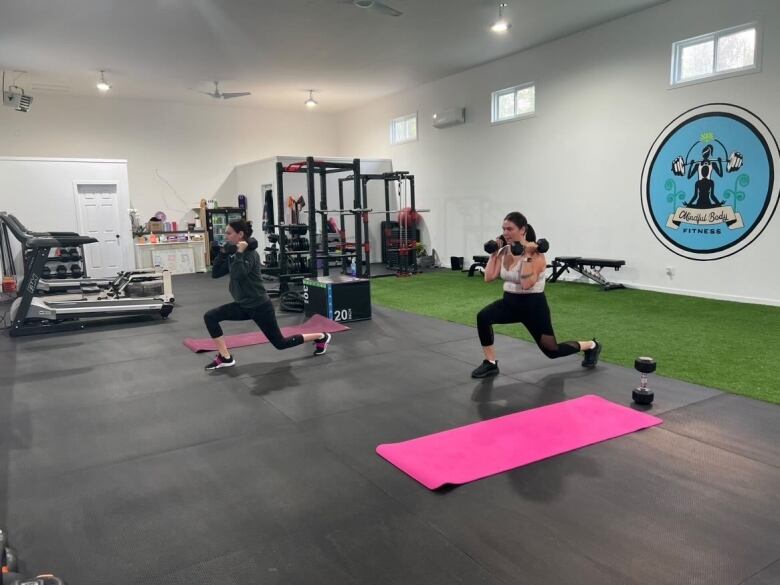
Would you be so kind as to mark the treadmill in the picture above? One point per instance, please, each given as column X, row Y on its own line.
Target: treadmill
column 33, row 313
column 55, row 285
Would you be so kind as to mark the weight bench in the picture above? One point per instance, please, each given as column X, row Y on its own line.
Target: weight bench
column 479, row 262
column 590, row 267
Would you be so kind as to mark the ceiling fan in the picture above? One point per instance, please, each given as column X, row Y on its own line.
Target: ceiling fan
column 224, row 95
column 374, row 6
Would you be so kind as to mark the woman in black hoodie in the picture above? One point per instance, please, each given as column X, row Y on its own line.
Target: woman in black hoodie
column 240, row 259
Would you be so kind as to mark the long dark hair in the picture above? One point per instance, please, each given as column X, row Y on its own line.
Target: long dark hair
column 520, row 221
column 242, row 225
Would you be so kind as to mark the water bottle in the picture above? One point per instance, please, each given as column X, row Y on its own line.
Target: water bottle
column 353, row 268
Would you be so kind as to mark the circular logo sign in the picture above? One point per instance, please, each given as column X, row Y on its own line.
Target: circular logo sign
column 709, row 183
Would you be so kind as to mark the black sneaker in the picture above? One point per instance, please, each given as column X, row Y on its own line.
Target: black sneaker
column 485, row 370
column 220, row 362
column 592, row 356
column 321, row 345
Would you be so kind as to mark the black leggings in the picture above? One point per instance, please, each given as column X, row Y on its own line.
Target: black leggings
column 532, row 311
column 264, row 316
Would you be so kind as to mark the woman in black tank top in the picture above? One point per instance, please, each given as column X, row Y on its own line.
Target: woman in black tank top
column 520, row 302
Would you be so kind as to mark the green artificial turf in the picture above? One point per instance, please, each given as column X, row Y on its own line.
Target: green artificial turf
column 720, row 344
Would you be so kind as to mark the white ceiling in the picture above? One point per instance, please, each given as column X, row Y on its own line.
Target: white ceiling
column 274, row 48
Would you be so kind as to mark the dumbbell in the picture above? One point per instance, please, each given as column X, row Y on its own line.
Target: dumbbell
column 643, row 394
column 62, row 271
column 491, row 246
column 73, row 253
column 75, row 271
column 46, row 272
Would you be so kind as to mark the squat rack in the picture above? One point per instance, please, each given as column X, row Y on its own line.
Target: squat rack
column 311, row 167
column 387, row 178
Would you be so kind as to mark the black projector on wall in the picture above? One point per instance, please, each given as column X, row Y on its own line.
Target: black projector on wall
column 17, row 99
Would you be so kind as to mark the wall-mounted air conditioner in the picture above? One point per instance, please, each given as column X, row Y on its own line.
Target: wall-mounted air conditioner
column 450, row 117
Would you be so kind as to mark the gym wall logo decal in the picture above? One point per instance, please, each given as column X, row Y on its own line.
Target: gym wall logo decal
column 709, row 183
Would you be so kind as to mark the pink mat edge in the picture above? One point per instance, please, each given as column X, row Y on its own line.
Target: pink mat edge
column 434, row 486
column 194, row 343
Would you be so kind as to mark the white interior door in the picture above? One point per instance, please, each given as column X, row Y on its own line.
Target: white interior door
column 98, row 210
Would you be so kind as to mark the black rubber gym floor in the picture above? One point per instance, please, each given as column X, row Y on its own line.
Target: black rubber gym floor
column 123, row 462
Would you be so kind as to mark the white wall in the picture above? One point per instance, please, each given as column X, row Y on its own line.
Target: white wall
column 177, row 153
column 41, row 194
column 602, row 98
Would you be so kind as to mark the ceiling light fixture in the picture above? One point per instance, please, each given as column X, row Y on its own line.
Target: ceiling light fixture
column 501, row 25
column 102, row 85
column 311, row 102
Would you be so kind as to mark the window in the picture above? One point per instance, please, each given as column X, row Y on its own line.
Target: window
column 403, row 129
column 719, row 54
column 513, row 103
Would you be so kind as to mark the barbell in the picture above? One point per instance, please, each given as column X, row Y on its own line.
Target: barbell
column 733, row 164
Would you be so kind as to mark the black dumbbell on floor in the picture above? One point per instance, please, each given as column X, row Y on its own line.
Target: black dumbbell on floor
column 643, row 394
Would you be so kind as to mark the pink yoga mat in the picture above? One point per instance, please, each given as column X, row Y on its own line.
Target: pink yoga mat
column 485, row 448
column 315, row 324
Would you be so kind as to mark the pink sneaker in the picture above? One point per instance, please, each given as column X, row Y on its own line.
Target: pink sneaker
column 220, row 362
column 321, row 346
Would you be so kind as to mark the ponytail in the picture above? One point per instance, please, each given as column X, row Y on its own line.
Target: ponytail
column 520, row 221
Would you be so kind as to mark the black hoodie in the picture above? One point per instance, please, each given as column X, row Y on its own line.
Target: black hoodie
column 246, row 282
